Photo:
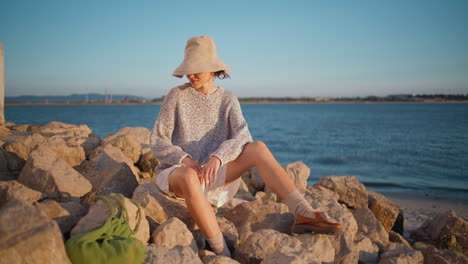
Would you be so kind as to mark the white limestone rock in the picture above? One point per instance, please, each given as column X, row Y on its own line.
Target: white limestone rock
column 369, row 226
column 368, row 251
column 384, row 210
column 29, row 236
column 252, row 216
column 350, row 191
column 46, row 172
column 446, row 231
column 66, row 214
column 10, row 190
column 129, row 145
column 112, row 172
column 175, row 255
column 319, row 246
column 159, row 207
column 62, row 130
column 260, row 244
column 141, row 133
column 173, row 233
column 399, row 253
column 291, row 256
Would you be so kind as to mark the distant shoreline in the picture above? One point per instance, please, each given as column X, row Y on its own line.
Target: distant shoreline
column 260, row 102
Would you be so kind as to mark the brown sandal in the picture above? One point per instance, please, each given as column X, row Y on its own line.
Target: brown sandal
column 318, row 225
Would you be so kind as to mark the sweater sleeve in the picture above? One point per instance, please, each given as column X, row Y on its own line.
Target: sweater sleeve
column 230, row 149
column 161, row 135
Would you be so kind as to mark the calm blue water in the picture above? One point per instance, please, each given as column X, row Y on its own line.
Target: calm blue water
column 420, row 148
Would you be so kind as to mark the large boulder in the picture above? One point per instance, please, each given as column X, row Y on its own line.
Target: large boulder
column 129, row 145
column 397, row 238
column 445, row 231
column 4, row 130
column 111, row 172
column 173, row 233
column 298, row 172
column 99, row 212
column 291, row 256
column 252, row 216
column 66, row 214
column 345, row 249
column 434, row 256
column 15, row 136
column 325, row 200
column 233, row 202
column 368, row 251
column 141, row 133
column 14, row 127
column 28, row 236
column 87, row 143
column 23, row 147
column 62, row 130
column 10, row 165
column 369, row 226
column 350, row 191
column 159, row 207
column 243, row 192
column 262, row 243
column 175, row 255
column 72, row 155
column 394, row 253
column 384, row 210
column 319, row 246
column 10, row 190
column 46, row 172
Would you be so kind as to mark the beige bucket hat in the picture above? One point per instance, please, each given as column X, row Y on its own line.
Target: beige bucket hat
column 200, row 56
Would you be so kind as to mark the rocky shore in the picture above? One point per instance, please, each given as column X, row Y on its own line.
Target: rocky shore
column 50, row 174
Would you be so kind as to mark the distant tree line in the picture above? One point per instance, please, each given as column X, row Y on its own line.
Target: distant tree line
column 125, row 99
column 389, row 98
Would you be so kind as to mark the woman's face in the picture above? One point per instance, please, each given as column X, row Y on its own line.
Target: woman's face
column 201, row 80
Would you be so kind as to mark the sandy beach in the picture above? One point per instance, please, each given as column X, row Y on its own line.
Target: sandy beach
column 421, row 207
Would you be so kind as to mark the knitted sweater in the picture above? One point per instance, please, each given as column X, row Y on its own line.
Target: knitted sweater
column 198, row 125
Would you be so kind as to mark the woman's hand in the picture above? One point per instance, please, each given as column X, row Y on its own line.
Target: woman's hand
column 191, row 163
column 210, row 171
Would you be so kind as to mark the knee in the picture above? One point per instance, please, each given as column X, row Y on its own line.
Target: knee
column 188, row 179
column 258, row 147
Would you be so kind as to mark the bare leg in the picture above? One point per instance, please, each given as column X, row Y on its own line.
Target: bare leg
column 257, row 154
column 184, row 183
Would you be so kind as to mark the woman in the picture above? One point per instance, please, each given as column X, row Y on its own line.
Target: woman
column 204, row 146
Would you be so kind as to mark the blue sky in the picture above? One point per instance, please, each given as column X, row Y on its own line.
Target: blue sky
column 276, row 48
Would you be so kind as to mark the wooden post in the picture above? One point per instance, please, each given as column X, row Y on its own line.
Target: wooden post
column 2, row 86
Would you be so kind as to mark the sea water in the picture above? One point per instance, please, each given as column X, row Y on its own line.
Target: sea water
column 402, row 148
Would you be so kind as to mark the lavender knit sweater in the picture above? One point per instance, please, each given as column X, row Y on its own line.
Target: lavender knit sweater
column 198, row 125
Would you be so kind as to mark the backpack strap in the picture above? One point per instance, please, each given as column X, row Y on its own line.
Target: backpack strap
column 121, row 199
column 109, row 205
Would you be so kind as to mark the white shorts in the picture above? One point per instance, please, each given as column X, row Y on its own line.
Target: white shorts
column 217, row 194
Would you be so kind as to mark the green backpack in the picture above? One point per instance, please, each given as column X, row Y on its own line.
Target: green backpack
column 111, row 243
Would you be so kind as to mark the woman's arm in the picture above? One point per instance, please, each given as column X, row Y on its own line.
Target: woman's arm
column 161, row 135
column 240, row 135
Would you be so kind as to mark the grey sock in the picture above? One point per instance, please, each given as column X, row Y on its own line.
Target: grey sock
column 298, row 205
column 219, row 246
